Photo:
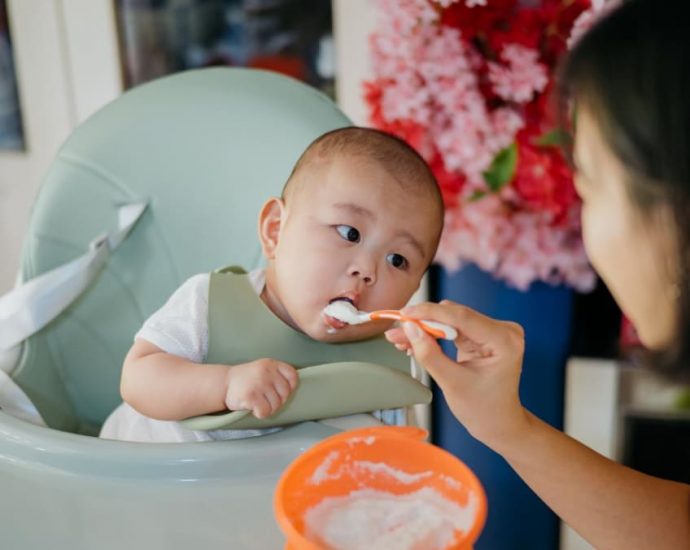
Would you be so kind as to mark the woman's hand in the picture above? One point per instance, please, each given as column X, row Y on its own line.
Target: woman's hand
column 481, row 385
column 261, row 386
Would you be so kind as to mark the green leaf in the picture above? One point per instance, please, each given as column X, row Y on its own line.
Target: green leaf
column 553, row 138
column 476, row 196
column 502, row 169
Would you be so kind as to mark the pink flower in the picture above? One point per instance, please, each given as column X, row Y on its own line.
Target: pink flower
column 522, row 77
column 462, row 81
column 445, row 3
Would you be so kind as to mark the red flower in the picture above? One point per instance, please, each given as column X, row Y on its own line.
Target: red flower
column 541, row 114
column 523, row 27
column 451, row 184
column 543, row 180
column 558, row 17
column 479, row 22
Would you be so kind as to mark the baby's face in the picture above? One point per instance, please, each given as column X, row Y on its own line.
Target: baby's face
column 351, row 233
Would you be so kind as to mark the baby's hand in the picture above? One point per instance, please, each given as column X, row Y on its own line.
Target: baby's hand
column 261, row 386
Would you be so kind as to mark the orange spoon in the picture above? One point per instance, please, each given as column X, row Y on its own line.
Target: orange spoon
column 344, row 311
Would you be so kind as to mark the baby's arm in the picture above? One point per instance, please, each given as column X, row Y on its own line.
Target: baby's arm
column 167, row 387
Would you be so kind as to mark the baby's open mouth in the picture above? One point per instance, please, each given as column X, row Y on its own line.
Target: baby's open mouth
column 344, row 299
column 333, row 323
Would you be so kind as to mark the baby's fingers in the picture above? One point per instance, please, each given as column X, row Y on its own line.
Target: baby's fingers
column 274, row 399
column 282, row 388
column 289, row 373
column 261, row 406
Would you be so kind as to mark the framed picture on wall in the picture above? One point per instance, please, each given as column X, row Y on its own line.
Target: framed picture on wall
column 293, row 37
column 11, row 134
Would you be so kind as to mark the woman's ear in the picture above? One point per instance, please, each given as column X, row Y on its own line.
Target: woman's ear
column 270, row 224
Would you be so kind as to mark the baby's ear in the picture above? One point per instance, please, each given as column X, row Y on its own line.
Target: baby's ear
column 270, row 223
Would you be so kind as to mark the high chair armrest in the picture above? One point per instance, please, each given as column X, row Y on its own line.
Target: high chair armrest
column 325, row 391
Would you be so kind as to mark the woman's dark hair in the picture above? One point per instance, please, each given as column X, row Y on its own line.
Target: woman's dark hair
column 631, row 72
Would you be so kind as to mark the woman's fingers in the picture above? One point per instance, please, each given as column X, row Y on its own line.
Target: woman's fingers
column 481, row 386
column 428, row 353
column 484, row 332
column 470, row 322
column 396, row 336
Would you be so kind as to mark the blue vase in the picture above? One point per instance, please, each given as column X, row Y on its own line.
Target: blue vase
column 517, row 518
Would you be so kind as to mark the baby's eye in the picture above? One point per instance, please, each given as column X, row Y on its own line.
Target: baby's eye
column 397, row 261
column 348, row 233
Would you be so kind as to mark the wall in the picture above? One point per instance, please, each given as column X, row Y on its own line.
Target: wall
column 65, row 54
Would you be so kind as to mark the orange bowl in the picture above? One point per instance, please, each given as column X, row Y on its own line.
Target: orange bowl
column 398, row 461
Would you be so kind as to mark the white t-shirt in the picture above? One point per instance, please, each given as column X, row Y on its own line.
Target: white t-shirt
column 180, row 328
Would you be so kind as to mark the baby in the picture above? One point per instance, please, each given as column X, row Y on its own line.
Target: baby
column 359, row 219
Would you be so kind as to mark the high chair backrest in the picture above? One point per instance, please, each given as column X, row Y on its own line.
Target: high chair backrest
column 205, row 148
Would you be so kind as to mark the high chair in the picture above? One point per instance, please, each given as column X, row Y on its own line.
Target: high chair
column 186, row 162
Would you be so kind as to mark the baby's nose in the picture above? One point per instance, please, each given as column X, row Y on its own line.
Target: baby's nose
column 366, row 274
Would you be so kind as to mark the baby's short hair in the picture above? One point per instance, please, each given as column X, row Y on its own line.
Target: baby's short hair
column 406, row 165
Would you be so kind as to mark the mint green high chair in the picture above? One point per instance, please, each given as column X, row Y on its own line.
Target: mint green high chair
column 188, row 161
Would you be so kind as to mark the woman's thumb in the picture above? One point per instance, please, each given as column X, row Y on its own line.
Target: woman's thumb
column 426, row 350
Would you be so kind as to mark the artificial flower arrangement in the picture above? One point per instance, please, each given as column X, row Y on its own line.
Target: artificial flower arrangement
column 467, row 83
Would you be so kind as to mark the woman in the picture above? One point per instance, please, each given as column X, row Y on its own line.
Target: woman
column 628, row 80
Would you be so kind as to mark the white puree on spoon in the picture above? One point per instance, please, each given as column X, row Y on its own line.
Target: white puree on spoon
column 343, row 311
column 367, row 518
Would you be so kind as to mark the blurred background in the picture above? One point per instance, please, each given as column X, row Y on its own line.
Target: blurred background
column 61, row 60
